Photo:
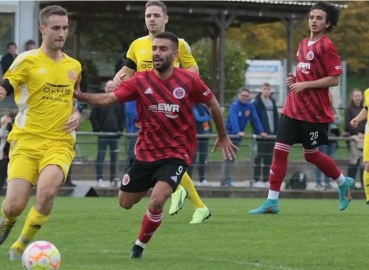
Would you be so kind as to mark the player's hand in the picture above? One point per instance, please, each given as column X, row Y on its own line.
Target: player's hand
column 263, row 135
column 290, row 79
column 297, row 87
column 241, row 134
column 354, row 123
column 2, row 93
column 118, row 79
column 226, row 146
column 73, row 122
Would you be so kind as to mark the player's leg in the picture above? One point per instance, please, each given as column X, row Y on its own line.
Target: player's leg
column 313, row 135
column 53, row 169
column 257, row 161
column 366, row 168
column 135, row 183
column 20, row 182
column 102, row 144
column 288, row 134
column 113, row 147
column 167, row 177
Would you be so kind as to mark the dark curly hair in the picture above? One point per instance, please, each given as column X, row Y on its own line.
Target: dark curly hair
column 332, row 11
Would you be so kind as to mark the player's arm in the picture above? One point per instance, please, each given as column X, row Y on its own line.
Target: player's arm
column 129, row 68
column 185, row 57
column 124, row 93
column 360, row 117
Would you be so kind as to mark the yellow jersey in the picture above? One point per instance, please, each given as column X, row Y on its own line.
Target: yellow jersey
column 140, row 53
column 43, row 92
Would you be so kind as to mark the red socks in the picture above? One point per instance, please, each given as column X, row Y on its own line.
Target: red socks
column 150, row 223
column 278, row 169
column 324, row 163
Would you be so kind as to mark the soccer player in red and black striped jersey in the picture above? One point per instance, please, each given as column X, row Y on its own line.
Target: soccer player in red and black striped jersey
column 307, row 111
column 167, row 138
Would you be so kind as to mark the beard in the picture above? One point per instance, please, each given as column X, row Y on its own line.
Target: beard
column 164, row 65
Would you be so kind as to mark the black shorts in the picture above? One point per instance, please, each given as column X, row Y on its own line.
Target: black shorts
column 310, row 135
column 141, row 176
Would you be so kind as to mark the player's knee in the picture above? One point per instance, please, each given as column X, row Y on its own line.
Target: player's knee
column 45, row 196
column 13, row 209
column 309, row 157
column 157, row 202
column 126, row 204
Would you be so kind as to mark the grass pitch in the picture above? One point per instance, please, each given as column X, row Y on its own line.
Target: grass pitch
column 95, row 233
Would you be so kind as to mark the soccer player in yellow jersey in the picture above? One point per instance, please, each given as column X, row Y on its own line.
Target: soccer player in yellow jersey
column 364, row 114
column 139, row 59
column 43, row 137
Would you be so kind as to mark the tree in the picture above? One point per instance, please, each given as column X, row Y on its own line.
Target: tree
column 235, row 64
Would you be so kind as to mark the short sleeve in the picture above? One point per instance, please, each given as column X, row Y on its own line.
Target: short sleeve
column 131, row 53
column 184, row 55
column 17, row 73
column 127, row 91
column 332, row 61
column 200, row 92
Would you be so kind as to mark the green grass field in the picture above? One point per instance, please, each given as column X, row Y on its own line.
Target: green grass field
column 94, row 233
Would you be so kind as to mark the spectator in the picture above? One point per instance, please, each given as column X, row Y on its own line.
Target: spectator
column 356, row 135
column 329, row 150
column 30, row 45
column 267, row 111
column 240, row 111
column 7, row 59
column 6, row 123
column 132, row 126
column 109, row 119
column 203, row 126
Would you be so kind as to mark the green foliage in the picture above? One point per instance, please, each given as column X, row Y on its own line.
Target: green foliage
column 235, row 64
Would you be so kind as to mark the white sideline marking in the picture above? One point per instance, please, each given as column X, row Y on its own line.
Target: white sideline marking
column 256, row 264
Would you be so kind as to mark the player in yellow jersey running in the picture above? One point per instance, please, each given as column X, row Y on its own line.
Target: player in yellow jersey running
column 364, row 114
column 43, row 137
column 139, row 59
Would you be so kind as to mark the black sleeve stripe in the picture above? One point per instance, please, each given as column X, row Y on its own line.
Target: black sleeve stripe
column 366, row 107
column 131, row 64
column 7, row 86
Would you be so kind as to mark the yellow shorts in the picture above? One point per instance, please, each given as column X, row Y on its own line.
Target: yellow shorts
column 366, row 148
column 28, row 157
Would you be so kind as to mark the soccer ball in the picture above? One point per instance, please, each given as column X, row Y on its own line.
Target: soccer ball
column 41, row 255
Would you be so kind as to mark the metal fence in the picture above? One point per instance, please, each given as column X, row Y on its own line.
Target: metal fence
column 242, row 171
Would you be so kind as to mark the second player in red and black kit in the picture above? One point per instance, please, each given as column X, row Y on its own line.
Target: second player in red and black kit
column 307, row 111
column 167, row 138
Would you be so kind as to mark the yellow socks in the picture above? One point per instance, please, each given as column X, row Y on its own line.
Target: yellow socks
column 11, row 219
column 193, row 197
column 33, row 223
column 366, row 184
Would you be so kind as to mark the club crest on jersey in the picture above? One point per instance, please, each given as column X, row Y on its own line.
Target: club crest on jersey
column 179, row 93
column 72, row 75
column 125, row 180
column 310, row 56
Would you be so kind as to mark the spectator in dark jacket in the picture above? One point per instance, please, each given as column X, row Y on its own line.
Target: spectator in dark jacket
column 109, row 119
column 203, row 126
column 6, row 124
column 7, row 59
column 267, row 111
